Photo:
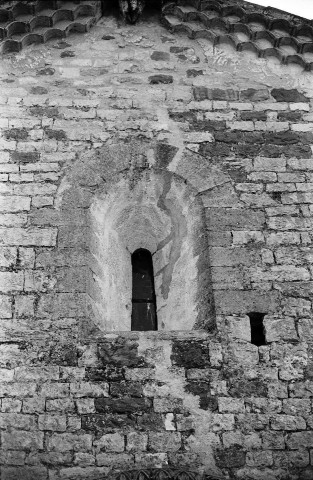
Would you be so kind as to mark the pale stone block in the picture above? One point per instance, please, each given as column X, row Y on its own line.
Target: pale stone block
column 259, row 459
column 222, row 422
column 245, row 126
column 238, row 327
column 243, row 237
column 70, row 441
column 34, row 189
column 300, row 440
column 299, row 106
column 22, row 440
column 11, row 281
column 10, row 405
column 88, row 389
column 165, row 441
column 35, row 404
column 261, row 106
column 60, row 405
column 55, row 423
column 125, row 460
column 111, row 442
column 24, row 305
column 302, row 127
column 85, row 405
column 272, row 126
column 300, row 163
column 231, row 405
column 195, row 137
column 270, row 164
column 8, row 256
column 83, row 459
column 137, row 442
column 37, row 374
column 283, row 238
column 31, row 236
column 21, row 177
column 14, row 203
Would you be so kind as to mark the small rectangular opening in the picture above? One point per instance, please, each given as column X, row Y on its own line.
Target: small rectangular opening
column 257, row 328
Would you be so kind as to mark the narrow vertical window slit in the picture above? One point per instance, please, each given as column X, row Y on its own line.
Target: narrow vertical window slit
column 143, row 294
column 257, row 328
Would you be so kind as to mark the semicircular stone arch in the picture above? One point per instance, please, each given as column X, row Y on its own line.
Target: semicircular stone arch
column 134, row 197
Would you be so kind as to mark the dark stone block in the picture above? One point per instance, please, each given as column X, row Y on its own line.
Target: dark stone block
column 254, row 95
column 247, row 150
column 40, row 111
column 197, row 388
column 178, row 49
column 151, row 422
column 281, row 138
column 15, row 134
column 107, row 37
column 67, row 53
column 200, row 93
column 165, row 154
column 124, row 405
column 220, row 94
column 207, row 402
column 156, row 79
column 191, row 73
column 57, row 134
column 122, row 353
column 126, row 389
column 189, row 117
column 160, row 56
column 190, row 354
column 284, row 95
column 289, row 151
column 25, row 157
column 289, row 116
column 63, row 354
column 46, row 71
column 208, row 126
column 109, row 373
column 38, row 90
column 240, row 388
column 256, row 116
column 100, row 423
column 232, row 457
column 217, row 149
column 203, row 93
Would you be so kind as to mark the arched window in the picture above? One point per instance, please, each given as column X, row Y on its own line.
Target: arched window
column 143, row 297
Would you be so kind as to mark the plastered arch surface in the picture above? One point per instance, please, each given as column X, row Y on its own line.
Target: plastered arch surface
column 135, row 200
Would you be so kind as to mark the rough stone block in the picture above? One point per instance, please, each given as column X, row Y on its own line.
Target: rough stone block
column 111, row 442
column 22, row 440
column 287, row 422
column 136, row 442
column 24, row 305
column 70, row 441
column 5, row 306
column 299, row 440
column 164, row 441
column 54, row 423
column 11, row 281
column 231, row 405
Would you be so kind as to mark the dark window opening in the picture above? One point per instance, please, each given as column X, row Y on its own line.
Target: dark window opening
column 257, row 328
column 143, row 297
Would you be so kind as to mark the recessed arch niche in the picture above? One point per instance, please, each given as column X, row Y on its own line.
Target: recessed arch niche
column 158, row 211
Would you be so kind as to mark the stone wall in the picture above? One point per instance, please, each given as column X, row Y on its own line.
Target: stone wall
column 78, row 400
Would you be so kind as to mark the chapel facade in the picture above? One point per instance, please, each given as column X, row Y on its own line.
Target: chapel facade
column 156, row 277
